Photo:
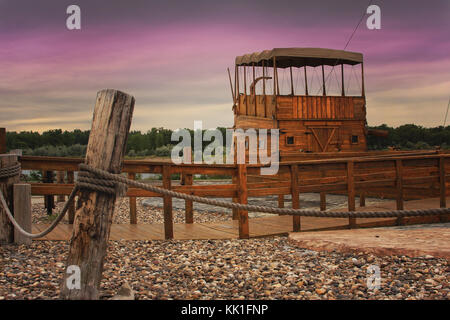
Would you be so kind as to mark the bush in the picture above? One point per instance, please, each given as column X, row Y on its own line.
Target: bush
column 164, row 151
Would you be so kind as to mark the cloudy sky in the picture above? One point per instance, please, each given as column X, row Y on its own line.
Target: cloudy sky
column 172, row 56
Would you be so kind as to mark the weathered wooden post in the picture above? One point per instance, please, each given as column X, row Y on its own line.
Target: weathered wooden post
column 243, row 198
column 22, row 211
column 351, row 193
column 106, row 148
column 168, row 213
column 133, row 213
column 6, row 186
column 296, row 223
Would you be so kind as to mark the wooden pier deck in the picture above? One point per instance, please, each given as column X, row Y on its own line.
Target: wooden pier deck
column 259, row 227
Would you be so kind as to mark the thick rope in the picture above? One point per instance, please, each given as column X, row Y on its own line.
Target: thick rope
column 281, row 211
column 15, row 170
column 102, row 181
column 10, row 171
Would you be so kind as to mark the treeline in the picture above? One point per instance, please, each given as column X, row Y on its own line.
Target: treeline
column 157, row 141
column 411, row 137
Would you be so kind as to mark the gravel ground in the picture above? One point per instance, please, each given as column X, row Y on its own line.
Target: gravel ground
column 146, row 214
column 234, row 269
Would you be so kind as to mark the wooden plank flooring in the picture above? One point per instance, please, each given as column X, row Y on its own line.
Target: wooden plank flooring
column 259, row 227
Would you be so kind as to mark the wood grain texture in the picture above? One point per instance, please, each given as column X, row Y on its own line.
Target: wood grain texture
column 22, row 211
column 6, row 187
column 106, row 148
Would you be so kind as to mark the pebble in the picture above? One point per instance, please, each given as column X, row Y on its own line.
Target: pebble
column 267, row 268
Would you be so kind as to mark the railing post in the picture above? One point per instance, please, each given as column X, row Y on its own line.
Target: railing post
column 281, row 201
column 351, row 193
column 296, row 223
column 188, row 180
column 362, row 199
column 189, row 204
column 133, row 213
column 243, row 198
column 6, row 186
column 323, row 201
column 22, row 211
column 399, row 187
column 168, row 214
column 60, row 179
column 235, row 181
column 71, row 208
column 49, row 199
column 442, row 182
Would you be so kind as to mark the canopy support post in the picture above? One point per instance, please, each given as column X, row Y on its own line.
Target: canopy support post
column 363, row 91
column 306, row 83
column 323, row 81
column 292, row 82
column 342, row 80
column 264, row 87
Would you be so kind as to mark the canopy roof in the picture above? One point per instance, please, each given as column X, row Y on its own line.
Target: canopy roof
column 300, row 57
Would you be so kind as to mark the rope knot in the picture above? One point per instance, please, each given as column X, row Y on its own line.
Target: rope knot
column 89, row 178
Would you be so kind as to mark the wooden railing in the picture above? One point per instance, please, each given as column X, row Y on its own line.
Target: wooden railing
column 400, row 177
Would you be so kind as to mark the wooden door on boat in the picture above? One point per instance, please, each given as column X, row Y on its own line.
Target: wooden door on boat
column 323, row 138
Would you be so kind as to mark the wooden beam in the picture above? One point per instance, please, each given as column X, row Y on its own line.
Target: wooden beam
column 296, row 222
column 6, row 187
column 168, row 214
column 243, row 198
column 132, row 200
column 22, row 211
column 351, row 193
column 106, row 148
column 2, row 140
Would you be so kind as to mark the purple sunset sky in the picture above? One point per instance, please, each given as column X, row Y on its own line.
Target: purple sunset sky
column 172, row 57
